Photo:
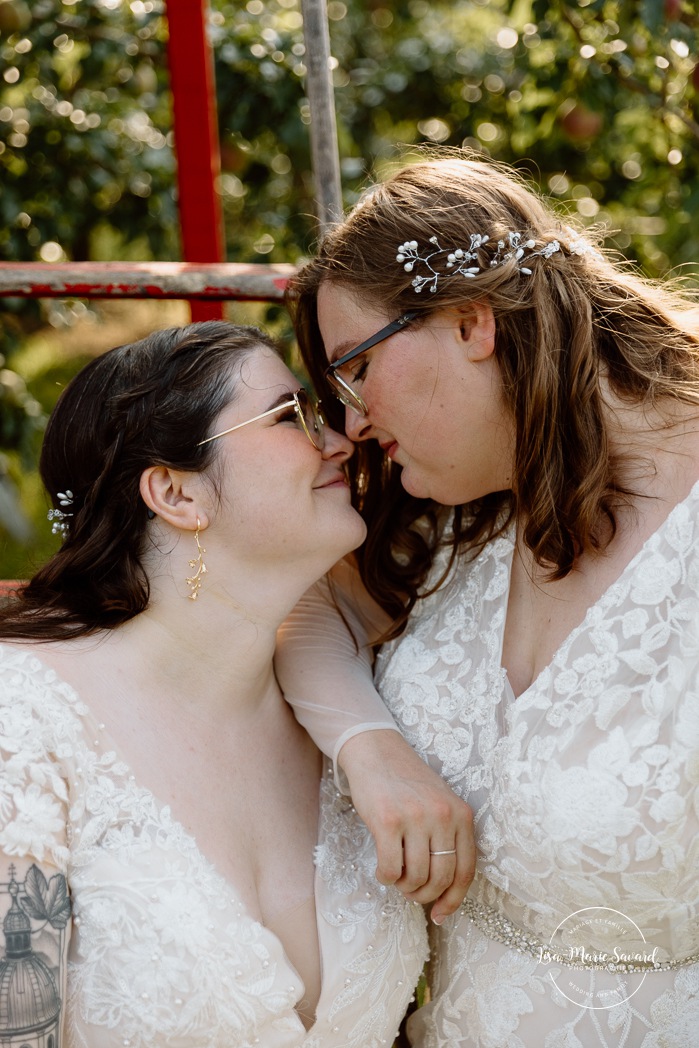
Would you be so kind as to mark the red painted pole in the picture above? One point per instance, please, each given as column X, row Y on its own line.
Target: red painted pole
column 196, row 140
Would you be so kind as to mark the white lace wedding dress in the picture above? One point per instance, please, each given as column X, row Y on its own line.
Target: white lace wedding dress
column 162, row 951
column 586, row 795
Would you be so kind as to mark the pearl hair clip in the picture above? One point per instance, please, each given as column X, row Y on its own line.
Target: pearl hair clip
column 465, row 262
column 59, row 518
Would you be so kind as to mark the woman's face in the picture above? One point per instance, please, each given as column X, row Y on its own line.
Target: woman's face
column 433, row 394
column 281, row 498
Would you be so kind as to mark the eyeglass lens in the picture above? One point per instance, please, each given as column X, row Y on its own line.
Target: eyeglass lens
column 342, row 389
column 311, row 420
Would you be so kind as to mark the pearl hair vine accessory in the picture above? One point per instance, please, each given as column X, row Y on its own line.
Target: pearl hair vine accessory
column 464, row 261
column 580, row 247
column 59, row 518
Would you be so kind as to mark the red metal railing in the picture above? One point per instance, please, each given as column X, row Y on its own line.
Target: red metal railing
column 203, row 279
column 199, row 282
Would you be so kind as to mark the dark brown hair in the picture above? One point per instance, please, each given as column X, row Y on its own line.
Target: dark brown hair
column 576, row 321
column 136, row 406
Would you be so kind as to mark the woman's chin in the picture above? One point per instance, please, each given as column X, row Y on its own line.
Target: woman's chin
column 348, row 538
column 360, row 531
column 417, row 486
column 443, row 489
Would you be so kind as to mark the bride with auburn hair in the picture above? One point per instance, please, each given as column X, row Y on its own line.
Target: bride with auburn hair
column 526, row 414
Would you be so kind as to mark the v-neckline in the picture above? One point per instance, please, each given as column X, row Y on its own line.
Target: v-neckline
column 87, row 718
column 601, row 600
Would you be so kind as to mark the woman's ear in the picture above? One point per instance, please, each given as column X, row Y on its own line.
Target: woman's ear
column 174, row 496
column 477, row 330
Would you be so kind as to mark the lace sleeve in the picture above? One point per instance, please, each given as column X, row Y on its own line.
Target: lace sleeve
column 324, row 661
column 33, row 789
column 35, row 908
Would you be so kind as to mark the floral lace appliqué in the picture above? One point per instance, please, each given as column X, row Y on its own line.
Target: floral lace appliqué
column 585, row 791
column 162, row 950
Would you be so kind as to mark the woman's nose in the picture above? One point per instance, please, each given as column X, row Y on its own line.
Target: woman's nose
column 337, row 446
column 357, row 427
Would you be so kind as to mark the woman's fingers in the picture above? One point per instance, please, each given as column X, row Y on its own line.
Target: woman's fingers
column 464, row 869
column 387, row 830
column 451, row 871
column 411, row 812
column 428, row 870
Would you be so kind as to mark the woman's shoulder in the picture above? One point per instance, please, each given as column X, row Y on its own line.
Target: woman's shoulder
column 30, row 663
column 33, row 696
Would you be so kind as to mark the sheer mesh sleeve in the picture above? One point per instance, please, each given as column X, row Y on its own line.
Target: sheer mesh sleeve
column 324, row 662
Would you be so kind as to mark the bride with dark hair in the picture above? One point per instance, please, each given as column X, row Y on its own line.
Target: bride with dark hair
column 159, row 804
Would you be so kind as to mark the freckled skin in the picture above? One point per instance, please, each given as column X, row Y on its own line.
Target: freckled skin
column 434, row 390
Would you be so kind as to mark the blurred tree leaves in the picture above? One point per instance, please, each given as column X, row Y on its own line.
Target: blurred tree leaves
column 599, row 96
column 597, row 99
column 84, row 130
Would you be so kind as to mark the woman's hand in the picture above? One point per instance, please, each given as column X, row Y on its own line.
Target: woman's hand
column 412, row 814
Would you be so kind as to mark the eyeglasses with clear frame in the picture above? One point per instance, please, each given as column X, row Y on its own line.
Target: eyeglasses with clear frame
column 308, row 419
column 341, row 386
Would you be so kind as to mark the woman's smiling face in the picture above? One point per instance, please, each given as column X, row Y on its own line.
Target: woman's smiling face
column 280, row 495
column 433, row 394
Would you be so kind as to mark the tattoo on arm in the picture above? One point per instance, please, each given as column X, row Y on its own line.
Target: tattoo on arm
column 35, row 913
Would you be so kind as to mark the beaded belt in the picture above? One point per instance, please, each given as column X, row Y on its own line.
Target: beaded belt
column 495, row 926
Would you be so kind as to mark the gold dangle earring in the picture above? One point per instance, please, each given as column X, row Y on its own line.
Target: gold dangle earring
column 194, row 582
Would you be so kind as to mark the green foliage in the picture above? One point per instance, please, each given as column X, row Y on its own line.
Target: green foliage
column 598, row 95
column 597, row 99
column 20, row 414
column 266, row 185
column 84, row 120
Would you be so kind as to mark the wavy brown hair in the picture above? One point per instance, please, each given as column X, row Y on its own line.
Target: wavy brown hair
column 578, row 321
column 135, row 406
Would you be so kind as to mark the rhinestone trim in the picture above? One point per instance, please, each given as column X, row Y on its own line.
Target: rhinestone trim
column 500, row 929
